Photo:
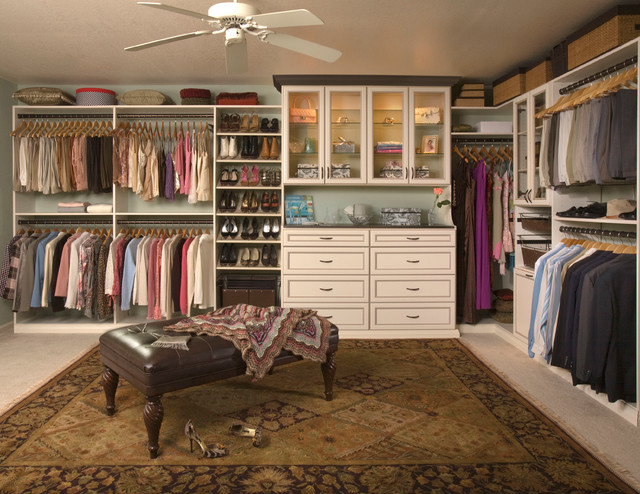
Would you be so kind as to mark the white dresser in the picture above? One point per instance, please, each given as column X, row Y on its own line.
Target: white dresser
column 374, row 282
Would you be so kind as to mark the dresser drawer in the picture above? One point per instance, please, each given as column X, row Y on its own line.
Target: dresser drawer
column 436, row 288
column 345, row 260
column 394, row 260
column 435, row 237
column 413, row 316
column 311, row 291
column 346, row 237
column 345, row 316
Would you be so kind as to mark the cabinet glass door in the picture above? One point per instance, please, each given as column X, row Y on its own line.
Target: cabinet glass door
column 539, row 103
column 520, row 119
column 387, row 137
column 303, row 159
column 345, row 135
column 429, row 142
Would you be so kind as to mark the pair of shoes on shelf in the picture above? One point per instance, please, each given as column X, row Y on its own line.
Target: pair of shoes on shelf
column 271, row 177
column 216, row 451
column 228, row 147
column 249, row 256
column 249, row 202
column 270, row 151
column 229, row 177
column 270, row 126
column 228, row 255
column 249, row 123
column 269, row 255
column 254, row 179
column 228, row 202
column 242, row 431
column 250, row 228
column 229, row 228
column 270, row 203
column 271, row 228
column 250, row 147
column 593, row 210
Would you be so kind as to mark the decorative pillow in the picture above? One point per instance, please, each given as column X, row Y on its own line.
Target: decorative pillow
column 43, row 96
column 144, row 97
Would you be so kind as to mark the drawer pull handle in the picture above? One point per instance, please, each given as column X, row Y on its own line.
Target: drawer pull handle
column 413, row 289
column 326, row 238
column 413, row 262
column 326, row 289
column 413, row 238
column 326, row 262
column 413, row 317
column 530, row 276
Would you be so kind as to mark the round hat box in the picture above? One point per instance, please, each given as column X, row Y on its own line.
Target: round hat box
column 95, row 96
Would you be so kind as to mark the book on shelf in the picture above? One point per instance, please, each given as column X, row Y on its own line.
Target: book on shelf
column 298, row 209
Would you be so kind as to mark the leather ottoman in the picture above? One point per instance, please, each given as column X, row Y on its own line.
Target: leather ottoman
column 127, row 352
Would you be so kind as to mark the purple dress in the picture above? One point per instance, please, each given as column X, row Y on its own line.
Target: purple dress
column 483, row 265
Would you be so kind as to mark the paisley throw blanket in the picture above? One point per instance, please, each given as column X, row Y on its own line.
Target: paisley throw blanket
column 261, row 333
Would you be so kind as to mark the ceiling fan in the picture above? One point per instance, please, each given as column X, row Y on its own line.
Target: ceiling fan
column 237, row 19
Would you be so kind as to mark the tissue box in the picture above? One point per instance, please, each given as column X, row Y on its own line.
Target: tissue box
column 344, row 147
column 341, row 170
column 307, row 170
column 400, row 216
column 495, row 127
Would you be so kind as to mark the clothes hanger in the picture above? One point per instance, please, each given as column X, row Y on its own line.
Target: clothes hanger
column 23, row 124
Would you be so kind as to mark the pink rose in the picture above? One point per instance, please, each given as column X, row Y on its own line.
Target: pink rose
column 438, row 191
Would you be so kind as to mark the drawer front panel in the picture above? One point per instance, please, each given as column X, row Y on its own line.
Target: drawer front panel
column 435, row 288
column 330, row 237
column 394, row 260
column 314, row 290
column 435, row 237
column 345, row 316
column 313, row 260
column 413, row 316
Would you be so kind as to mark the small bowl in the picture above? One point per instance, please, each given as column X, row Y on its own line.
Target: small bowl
column 360, row 219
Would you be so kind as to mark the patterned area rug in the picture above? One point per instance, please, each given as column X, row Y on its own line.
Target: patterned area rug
column 408, row 416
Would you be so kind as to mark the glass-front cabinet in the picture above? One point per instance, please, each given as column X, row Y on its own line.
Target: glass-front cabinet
column 428, row 140
column 527, row 139
column 387, row 157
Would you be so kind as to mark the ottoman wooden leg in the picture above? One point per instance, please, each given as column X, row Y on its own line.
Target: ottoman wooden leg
column 153, row 414
column 110, row 384
column 328, row 374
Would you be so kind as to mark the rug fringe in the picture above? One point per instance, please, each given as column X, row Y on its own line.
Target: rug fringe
column 601, row 456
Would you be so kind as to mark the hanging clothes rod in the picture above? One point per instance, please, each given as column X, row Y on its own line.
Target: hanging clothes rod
column 158, row 116
column 599, row 75
column 70, row 221
column 597, row 231
column 64, row 115
column 506, row 140
column 164, row 116
column 165, row 222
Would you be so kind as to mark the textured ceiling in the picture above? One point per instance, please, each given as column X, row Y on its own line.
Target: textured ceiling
column 81, row 41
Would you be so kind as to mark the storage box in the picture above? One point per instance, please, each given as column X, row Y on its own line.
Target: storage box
column 392, row 169
column 307, row 170
column 614, row 28
column 246, row 289
column 494, row 127
column 344, row 146
column 400, row 216
column 509, row 86
column 427, row 115
column 95, row 96
column 340, row 170
column 422, row 172
column 538, row 75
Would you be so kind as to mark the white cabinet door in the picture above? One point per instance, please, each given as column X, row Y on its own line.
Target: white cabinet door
column 523, row 295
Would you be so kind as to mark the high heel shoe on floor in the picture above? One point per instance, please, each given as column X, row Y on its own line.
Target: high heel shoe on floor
column 207, row 451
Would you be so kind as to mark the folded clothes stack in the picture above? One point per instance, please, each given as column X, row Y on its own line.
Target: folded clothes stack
column 389, row 147
column 615, row 208
column 99, row 208
column 72, row 207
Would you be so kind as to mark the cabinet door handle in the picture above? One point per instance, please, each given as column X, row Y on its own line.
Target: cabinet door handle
column 413, row 317
column 322, row 173
column 326, row 261
column 326, row 289
column 326, row 238
column 413, row 262
column 405, row 172
column 412, row 238
column 413, row 289
column 412, row 172
column 530, row 276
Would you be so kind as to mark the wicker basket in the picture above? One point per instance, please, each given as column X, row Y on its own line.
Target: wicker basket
column 612, row 29
column 531, row 255
column 536, row 224
column 509, row 86
column 538, row 75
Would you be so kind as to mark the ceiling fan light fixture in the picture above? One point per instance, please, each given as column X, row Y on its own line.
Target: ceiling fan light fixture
column 233, row 35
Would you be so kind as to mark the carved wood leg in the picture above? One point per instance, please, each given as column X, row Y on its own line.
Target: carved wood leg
column 110, row 384
column 328, row 373
column 153, row 414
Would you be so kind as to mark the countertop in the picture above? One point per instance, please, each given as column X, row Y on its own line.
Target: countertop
column 369, row 225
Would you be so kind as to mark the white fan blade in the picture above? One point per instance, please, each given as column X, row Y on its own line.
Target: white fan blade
column 190, row 13
column 166, row 40
column 236, row 56
column 302, row 46
column 287, row 18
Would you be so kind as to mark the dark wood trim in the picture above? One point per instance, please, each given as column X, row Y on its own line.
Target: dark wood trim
column 361, row 80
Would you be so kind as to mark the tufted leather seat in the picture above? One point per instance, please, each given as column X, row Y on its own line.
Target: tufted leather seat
column 126, row 352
